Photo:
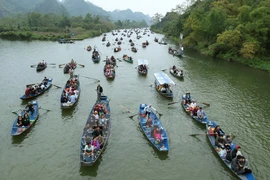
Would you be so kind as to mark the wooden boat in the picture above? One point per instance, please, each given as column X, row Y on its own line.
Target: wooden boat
column 119, row 43
column 144, row 45
column 67, row 93
column 95, row 56
column 109, row 71
column 177, row 72
column 130, row 40
column 188, row 110
column 132, row 44
column 147, row 43
column 142, row 66
column 163, row 84
column 117, row 49
column 108, row 44
column 210, row 125
column 70, row 66
column 127, row 58
column 133, row 49
column 65, row 41
column 39, row 92
column 88, row 130
column 158, row 138
column 18, row 130
column 176, row 52
column 41, row 66
column 156, row 39
column 104, row 38
column 89, row 48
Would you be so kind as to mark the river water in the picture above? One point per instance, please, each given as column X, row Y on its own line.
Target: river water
column 239, row 98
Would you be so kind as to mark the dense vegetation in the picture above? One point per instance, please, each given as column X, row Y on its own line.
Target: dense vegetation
column 236, row 30
column 52, row 27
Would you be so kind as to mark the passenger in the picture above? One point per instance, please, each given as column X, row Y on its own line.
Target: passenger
column 148, row 110
column 45, row 81
column 233, row 153
column 228, row 142
column 26, row 119
column 157, row 135
column 149, row 122
column 96, row 116
column 235, row 162
column 28, row 91
column 95, row 143
column 30, row 108
column 174, row 67
column 102, row 122
column 218, row 131
column 72, row 98
column 194, row 111
column 19, row 121
column 97, row 132
column 192, row 104
column 242, row 166
column 88, row 151
column 200, row 113
column 219, row 142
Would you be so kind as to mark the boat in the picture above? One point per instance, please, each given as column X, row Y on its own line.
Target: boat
column 89, row 48
column 95, row 56
column 117, row 49
column 210, row 126
column 109, row 71
column 65, row 41
column 104, row 38
column 18, row 130
column 142, row 66
column 133, row 49
column 185, row 98
column 119, row 43
column 177, row 72
column 147, row 43
column 41, row 66
column 163, row 84
column 156, row 39
column 132, row 44
column 36, row 93
column 176, row 52
column 71, row 92
column 88, row 130
column 150, row 126
column 108, row 44
column 70, row 66
column 144, row 45
column 127, row 58
column 162, row 42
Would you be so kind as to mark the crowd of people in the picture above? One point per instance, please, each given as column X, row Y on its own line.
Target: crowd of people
column 177, row 71
column 164, row 88
column 94, row 131
column 192, row 108
column 70, row 66
column 71, row 92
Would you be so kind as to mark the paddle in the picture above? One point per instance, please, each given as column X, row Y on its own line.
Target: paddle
column 157, row 111
column 57, row 86
column 81, row 65
column 207, row 104
column 173, row 103
column 133, row 116
column 44, row 108
column 15, row 112
column 27, row 85
column 61, row 65
column 91, row 78
column 33, row 66
column 233, row 136
column 51, row 64
column 122, row 106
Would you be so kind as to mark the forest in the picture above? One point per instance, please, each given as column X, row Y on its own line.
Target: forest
column 234, row 30
column 52, row 26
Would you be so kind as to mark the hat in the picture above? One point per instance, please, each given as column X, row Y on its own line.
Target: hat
column 95, row 112
column 237, row 147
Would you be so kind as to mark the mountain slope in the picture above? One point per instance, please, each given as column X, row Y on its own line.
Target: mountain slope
column 50, row 6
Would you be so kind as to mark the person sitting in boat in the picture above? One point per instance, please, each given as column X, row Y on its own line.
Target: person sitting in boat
column 72, row 98
column 64, row 98
column 148, row 109
column 88, row 150
column 157, row 135
column 218, row 131
column 228, row 142
column 27, row 91
column 45, row 81
column 19, row 120
column 30, row 108
column 242, row 166
column 219, row 142
column 163, row 89
column 26, row 119
column 200, row 113
column 149, row 122
column 233, row 153
column 102, row 122
column 96, row 116
column 194, row 111
column 97, row 132
column 174, row 67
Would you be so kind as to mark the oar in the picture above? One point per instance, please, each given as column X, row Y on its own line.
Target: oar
column 15, row 112
column 122, row 106
column 173, row 102
column 44, row 108
column 157, row 111
column 91, row 78
column 61, row 65
column 27, row 85
column 133, row 116
column 51, row 64
column 81, row 65
column 163, row 69
column 207, row 104
column 57, row 86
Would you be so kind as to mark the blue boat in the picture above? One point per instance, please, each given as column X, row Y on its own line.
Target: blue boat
column 163, row 84
column 65, row 102
column 210, row 126
column 185, row 97
column 18, row 130
column 88, row 130
column 30, row 96
column 96, row 55
column 149, row 127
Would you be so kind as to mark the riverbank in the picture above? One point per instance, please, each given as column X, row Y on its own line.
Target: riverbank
column 73, row 34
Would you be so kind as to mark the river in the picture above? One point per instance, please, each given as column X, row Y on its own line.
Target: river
column 239, row 98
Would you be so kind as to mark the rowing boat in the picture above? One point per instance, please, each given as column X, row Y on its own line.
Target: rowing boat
column 18, row 130
column 71, row 93
column 185, row 98
column 177, row 72
column 153, row 130
column 87, row 134
column 109, row 71
column 38, row 92
column 222, row 152
column 142, row 66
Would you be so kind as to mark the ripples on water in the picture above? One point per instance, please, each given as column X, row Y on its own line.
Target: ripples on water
column 238, row 96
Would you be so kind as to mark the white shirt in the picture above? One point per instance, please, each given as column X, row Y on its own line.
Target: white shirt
column 72, row 98
column 147, row 109
column 192, row 105
column 200, row 112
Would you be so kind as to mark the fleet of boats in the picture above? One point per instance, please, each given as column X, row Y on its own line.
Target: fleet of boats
column 98, row 125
